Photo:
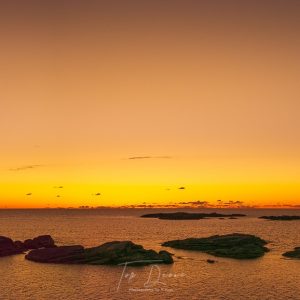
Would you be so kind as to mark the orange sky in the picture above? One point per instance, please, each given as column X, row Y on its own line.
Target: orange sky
column 208, row 91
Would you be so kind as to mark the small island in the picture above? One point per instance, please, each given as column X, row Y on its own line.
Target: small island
column 293, row 254
column 189, row 216
column 280, row 218
column 236, row 245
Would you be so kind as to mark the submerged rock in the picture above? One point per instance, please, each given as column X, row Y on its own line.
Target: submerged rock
column 239, row 246
column 8, row 247
column 111, row 253
column 293, row 254
column 210, row 261
column 188, row 216
column 281, row 218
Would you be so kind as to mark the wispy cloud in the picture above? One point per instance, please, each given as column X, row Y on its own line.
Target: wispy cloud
column 149, row 157
column 25, row 168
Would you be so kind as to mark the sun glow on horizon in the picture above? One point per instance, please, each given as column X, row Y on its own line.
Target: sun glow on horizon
column 132, row 101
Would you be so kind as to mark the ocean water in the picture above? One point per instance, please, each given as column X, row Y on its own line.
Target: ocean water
column 190, row 277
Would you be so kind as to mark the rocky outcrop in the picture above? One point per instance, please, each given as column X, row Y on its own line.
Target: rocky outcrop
column 125, row 252
column 293, row 254
column 42, row 241
column 281, row 218
column 63, row 254
column 112, row 253
column 7, row 247
column 238, row 246
column 189, row 216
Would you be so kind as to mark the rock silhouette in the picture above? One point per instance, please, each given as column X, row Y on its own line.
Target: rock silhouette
column 9, row 247
column 63, row 254
column 43, row 241
column 189, row 216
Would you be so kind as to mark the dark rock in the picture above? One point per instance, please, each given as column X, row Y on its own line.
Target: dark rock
column 281, row 218
column 64, row 254
column 188, row 216
column 28, row 244
column 232, row 218
column 43, row 241
column 166, row 257
column 112, row 253
column 239, row 246
column 293, row 254
column 7, row 247
column 20, row 245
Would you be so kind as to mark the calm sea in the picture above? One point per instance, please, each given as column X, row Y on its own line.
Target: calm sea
column 190, row 277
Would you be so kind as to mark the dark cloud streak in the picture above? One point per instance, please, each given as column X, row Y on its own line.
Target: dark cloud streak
column 25, row 168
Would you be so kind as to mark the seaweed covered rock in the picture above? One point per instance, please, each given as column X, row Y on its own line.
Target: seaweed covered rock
column 293, row 254
column 111, row 253
column 238, row 246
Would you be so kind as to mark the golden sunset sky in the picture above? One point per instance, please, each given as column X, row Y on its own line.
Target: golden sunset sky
column 203, row 94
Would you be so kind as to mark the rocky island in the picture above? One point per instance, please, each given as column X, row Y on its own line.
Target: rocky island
column 43, row 249
column 281, row 218
column 189, row 216
column 111, row 253
column 236, row 245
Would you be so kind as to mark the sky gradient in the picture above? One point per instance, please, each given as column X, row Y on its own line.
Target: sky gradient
column 203, row 94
